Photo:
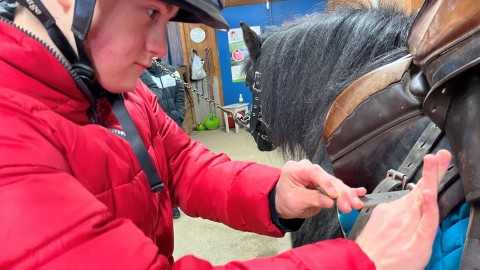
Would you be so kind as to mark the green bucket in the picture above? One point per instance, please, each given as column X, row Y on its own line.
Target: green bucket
column 212, row 121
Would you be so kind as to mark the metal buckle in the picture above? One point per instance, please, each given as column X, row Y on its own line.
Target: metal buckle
column 396, row 175
column 256, row 82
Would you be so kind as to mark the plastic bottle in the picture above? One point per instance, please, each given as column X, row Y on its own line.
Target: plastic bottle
column 240, row 99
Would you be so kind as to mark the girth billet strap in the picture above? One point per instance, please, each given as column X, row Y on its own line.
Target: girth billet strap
column 414, row 159
column 118, row 106
column 386, row 185
column 395, row 180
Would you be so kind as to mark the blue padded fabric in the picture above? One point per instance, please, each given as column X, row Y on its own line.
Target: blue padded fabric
column 448, row 245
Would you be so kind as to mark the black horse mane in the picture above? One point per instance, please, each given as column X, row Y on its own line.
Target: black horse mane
column 307, row 62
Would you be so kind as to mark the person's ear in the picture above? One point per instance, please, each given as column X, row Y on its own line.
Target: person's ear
column 66, row 4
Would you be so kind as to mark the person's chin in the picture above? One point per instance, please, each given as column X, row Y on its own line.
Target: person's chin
column 120, row 86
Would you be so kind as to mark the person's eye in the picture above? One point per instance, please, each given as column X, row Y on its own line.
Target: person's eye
column 153, row 13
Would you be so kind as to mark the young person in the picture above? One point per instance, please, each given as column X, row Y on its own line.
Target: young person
column 170, row 92
column 79, row 136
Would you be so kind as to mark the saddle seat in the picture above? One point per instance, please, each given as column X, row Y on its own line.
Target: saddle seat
column 444, row 39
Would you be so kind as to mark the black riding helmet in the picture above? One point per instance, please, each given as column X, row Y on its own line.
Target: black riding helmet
column 200, row 11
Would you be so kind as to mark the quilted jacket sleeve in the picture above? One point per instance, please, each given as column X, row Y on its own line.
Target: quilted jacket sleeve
column 81, row 233
column 334, row 254
column 210, row 185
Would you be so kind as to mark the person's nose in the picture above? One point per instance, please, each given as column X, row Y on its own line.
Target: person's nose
column 157, row 41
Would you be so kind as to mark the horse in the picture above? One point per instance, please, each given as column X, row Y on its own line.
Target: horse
column 306, row 66
column 318, row 75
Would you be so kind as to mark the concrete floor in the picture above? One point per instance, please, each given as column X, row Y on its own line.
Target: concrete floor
column 216, row 242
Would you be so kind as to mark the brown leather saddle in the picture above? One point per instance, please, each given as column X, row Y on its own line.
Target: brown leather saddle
column 387, row 120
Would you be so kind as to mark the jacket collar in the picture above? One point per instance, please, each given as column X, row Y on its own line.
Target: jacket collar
column 30, row 68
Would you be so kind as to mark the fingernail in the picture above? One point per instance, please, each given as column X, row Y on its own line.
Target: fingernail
column 357, row 200
column 347, row 207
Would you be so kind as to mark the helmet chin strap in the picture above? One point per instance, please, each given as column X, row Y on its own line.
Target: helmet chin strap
column 82, row 20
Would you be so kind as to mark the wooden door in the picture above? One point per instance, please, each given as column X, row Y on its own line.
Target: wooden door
column 201, row 107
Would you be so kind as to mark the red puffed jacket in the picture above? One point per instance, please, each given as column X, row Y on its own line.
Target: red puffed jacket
column 73, row 195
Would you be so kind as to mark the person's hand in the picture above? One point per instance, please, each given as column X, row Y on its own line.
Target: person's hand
column 400, row 234
column 297, row 197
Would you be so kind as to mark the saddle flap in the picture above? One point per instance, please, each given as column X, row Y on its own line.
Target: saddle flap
column 360, row 91
column 375, row 122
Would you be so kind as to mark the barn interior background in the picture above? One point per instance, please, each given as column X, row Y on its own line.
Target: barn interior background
column 223, row 57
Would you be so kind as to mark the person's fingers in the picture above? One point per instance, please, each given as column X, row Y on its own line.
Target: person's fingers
column 430, row 214
column 354, row 201
column 348, row 198
column 361, row 191
column 444, row 157
column 344, row 201
column 429, row 174
column 315, row 199
column 320, row 178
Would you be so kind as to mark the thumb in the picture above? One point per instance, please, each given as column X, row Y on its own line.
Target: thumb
column 428, row 227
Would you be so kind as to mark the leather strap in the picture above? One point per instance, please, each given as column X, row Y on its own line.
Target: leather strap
column 408, row 168
column 471, row 254
column 386, row 185
column 255, row 113
column 450, row 195
column 258, row 128
column 139, row 148
column 423, row 146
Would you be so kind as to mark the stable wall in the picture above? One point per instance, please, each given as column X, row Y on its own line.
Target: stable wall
column 256, row 15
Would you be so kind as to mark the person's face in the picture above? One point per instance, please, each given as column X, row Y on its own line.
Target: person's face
column 124, row 37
